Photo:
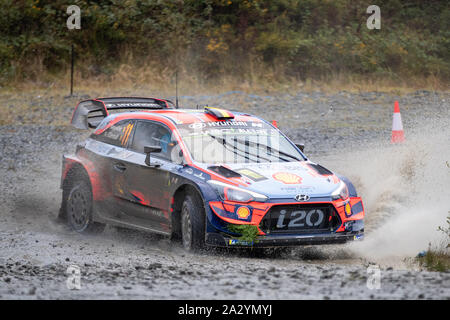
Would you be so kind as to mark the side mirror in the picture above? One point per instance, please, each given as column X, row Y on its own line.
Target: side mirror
column 147, row 151
column 301, row 146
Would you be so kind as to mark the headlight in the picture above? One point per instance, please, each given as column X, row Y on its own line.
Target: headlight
column 341, row 192
column 231, row 193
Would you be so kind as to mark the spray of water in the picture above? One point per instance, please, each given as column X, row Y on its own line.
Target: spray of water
column 406, row 192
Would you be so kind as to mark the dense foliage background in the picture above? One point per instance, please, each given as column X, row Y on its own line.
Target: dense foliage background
column 215, row 38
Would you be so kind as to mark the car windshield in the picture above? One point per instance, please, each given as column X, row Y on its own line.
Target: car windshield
column 237, row 142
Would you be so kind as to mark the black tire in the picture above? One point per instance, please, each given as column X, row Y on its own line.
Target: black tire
column 193, row 223
column 79, row 208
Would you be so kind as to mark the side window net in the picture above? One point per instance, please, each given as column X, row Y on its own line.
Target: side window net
column 119, row 134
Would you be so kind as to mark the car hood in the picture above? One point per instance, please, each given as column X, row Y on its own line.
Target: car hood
column 284, row 180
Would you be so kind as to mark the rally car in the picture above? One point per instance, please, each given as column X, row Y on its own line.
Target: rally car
column 193, row 174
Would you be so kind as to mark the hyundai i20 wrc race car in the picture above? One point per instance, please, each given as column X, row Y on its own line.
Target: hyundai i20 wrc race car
column 193, row 174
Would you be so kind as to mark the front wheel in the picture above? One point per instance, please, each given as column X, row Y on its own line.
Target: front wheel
column 79, row 209
column 192, row 223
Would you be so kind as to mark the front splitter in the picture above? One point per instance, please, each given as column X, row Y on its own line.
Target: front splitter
column 219, row 240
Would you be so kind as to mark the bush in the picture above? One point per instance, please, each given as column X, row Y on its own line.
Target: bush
column 215, row 38
column 438, row 259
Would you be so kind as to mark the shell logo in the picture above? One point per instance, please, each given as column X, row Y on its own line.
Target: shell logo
column 243, row 212
column 348, row 209
column 287, row 178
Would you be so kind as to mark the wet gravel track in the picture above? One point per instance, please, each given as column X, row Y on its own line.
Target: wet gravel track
column 36, row 250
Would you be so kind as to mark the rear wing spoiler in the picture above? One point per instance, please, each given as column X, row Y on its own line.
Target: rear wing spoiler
column 89, row 113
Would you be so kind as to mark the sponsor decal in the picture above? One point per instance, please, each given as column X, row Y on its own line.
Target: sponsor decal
column 299, row 189
column 348, row 209
column 287, row 178
column 358, row 237
column 278, row 166
column 172, row 180
column 225, row 123
column 126, row 134
column 228, row 123
column 133, row 105
column 255, row 176
column 234, row 242
column 197, row 173
column 243, row 212
column 298, row 218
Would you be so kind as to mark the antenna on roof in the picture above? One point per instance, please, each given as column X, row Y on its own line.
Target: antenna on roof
column 176, row 88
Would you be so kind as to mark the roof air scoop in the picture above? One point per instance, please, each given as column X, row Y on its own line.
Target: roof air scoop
column 219, row 114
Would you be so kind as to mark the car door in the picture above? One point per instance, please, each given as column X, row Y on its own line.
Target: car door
column 117, row 139
column 147, row 187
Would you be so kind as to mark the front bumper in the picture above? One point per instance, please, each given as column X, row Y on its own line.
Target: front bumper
column 222, row 240
column 342, row 226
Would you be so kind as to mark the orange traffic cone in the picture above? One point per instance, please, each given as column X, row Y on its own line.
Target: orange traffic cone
column 397, row 126
column 275, row 123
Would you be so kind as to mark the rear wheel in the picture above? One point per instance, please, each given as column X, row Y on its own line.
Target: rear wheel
column 79, row 208
column 192, row 223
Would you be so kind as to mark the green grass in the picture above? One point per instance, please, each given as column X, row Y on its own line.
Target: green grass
column 438, row 259
column 435, row 260
column 248, row 232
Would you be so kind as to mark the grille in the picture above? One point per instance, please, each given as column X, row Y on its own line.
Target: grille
column 300, row 219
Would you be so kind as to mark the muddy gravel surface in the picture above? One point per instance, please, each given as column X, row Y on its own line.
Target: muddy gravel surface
column 347, row 132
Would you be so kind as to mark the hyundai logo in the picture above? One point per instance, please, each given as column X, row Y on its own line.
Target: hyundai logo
column 197, row 125
column 302, row 197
